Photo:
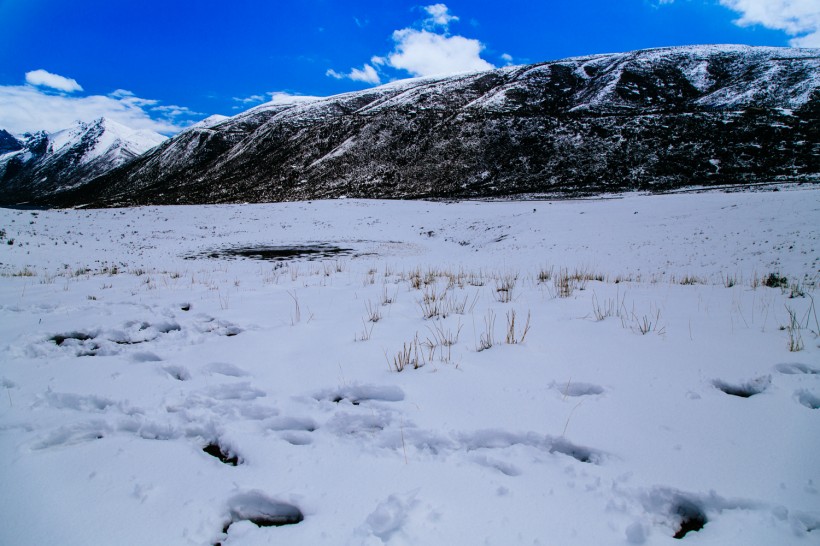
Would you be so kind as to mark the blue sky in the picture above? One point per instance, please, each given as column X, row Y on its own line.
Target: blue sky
column 163, row 64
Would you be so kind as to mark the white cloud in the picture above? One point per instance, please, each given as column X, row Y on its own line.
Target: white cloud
column 429, row 51
column 507, row 58
column 798, row 18
column 423, row 53
column 439, row 16
column 365, row 74
column 25, row 108
column 42, row 78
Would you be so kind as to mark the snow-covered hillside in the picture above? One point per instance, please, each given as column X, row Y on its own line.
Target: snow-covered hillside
column 49, row 163
column 615, row 371
column 649, row 120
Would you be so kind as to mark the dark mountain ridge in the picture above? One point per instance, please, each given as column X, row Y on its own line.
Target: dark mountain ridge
column 649, row 120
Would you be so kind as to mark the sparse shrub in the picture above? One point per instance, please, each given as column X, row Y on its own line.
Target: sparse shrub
column 373, row 313
column 609, row 308
column 511, row 338
column 487, row 339
column 408, row 355
column 729, row 280
column 564, row 284
column 444, row 304
column 689, row 280
column 796, row 291
column 648, row 323
column 366, row 332
column 387, row 298
column 430, row 302
column 774, row 280
column 25, row 272
column 793, row 328
column 504, row 288
column 545, row 274
column 442, row 339
column 297, row 311
column 415, row 279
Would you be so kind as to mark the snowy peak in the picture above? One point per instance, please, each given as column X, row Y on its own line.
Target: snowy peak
column 45, row 163
column 103, row 136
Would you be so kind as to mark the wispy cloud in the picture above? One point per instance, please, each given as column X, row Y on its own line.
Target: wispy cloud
column 35, row 107
column 428, row 49
column 43, row 78
column 253, row 99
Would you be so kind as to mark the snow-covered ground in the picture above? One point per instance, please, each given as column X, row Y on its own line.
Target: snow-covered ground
column 128, row 346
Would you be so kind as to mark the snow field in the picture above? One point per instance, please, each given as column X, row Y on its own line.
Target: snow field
column 654, row 384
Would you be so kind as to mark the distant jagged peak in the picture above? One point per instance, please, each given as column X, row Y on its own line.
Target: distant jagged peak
column 102, row 134
column 9, row 143
column 207, row 123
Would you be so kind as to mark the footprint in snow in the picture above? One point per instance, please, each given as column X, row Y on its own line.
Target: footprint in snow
column 808, row 399
column 180, row 373
column 260, row 510
column 744, row 390
column 294, row 430
column 210, row 325
column 356, row 394
column 225, row 453
column 795, row 368
column 74, row 434
column 577, row 389
column 226, row 369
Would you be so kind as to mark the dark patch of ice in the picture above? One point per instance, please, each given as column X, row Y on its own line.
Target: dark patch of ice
column 276, row 253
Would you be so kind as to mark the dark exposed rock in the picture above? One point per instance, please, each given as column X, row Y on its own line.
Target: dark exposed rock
column 8, row 143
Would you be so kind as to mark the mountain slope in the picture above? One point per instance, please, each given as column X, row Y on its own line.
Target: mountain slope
column 653, row 119
column 43, row 165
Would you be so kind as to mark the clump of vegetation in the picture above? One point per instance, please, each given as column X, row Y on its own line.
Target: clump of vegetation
column 487, row 339
column 511, row 338
column 793, row 328
column 774, row 280
column 408, row 356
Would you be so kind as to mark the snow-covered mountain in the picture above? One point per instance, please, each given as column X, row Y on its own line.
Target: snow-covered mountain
column 653, row 119
column 41, row 165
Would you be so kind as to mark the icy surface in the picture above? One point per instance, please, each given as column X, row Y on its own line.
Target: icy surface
column 618, row 418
